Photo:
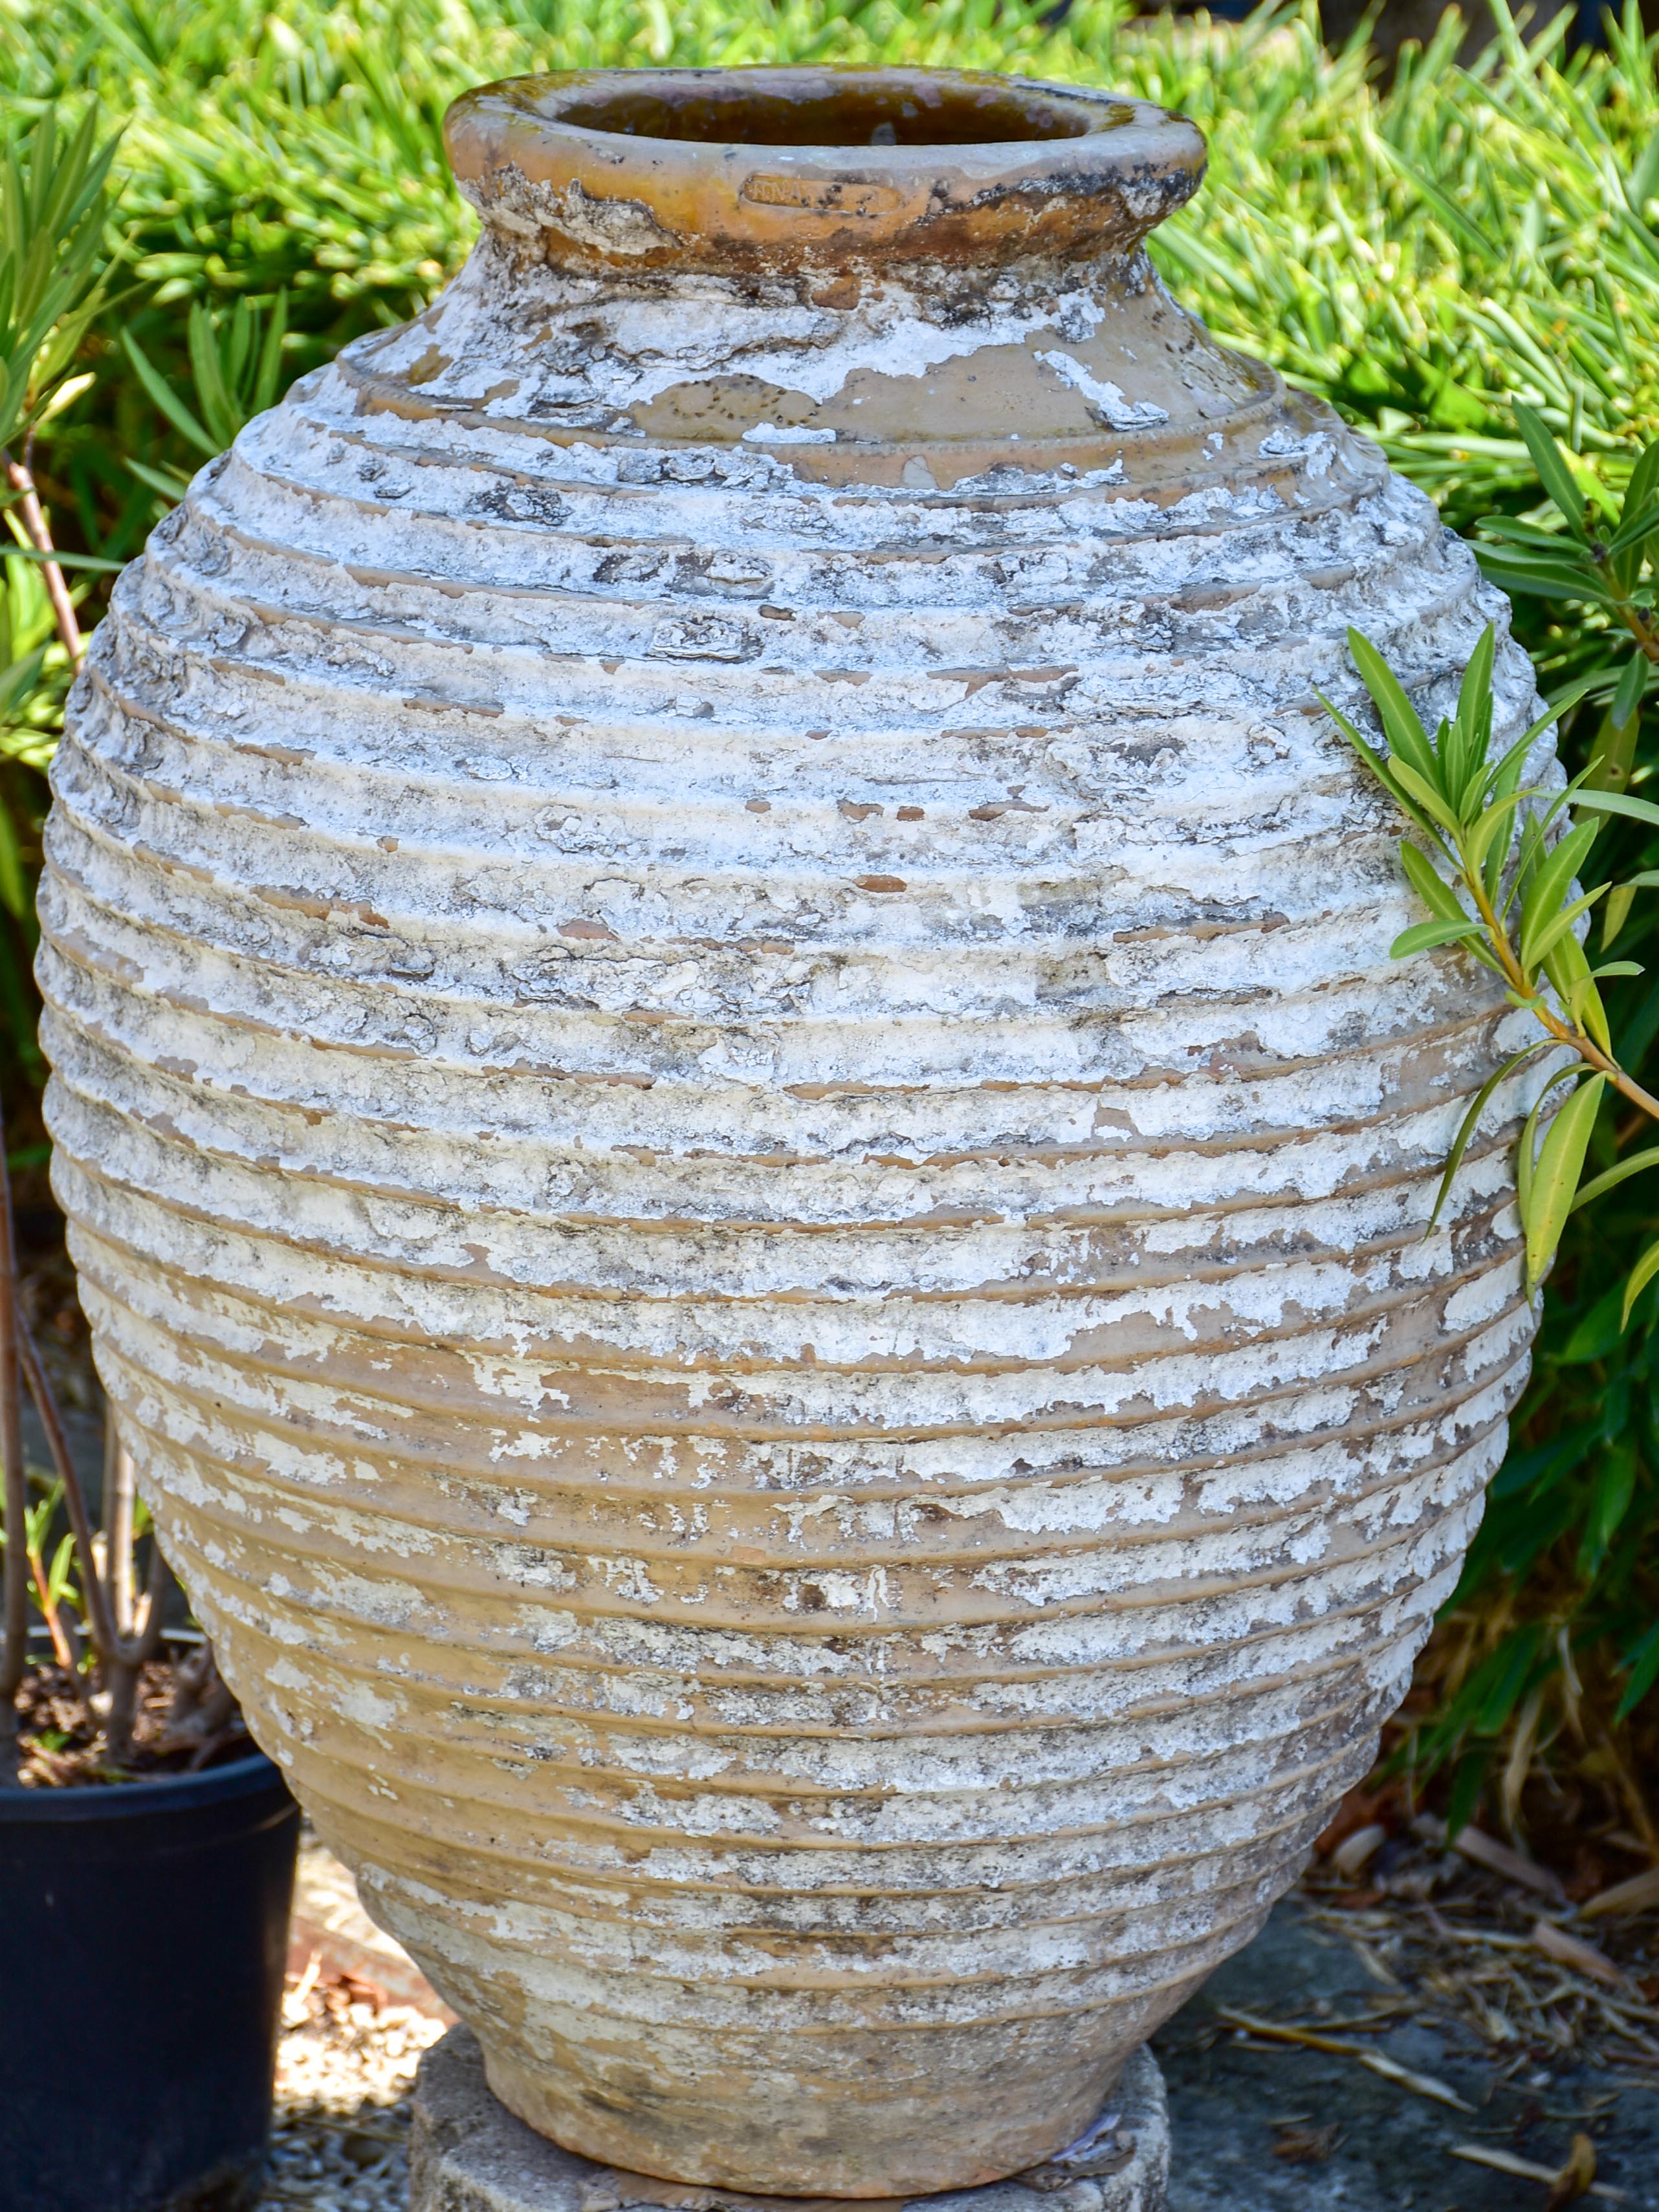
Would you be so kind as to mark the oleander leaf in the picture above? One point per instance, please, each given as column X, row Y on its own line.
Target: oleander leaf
column 1527, row 1150
column 1408, row 741
column 1554, row 1182
column 1549, row 580
column 1427, row 795
column 1621, row 899
column 1477, row 842
column 1378, row 765
column 1553, row 931
column 1640, row 1276
column 1634, row 525
column 1631, row 685
column 1569, row 971
column 1641, row 1661
column 1638, row 1164
column 1423, row 936
column 1618, row 802
column 1553, row 473
column 1512, row 530
column 1436, row 893
column 1542, row 899
column 1471, row 1122
column 1642, row 492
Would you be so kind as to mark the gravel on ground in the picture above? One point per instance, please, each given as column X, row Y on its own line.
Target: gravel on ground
column 357, row 2015
column 345, row 2067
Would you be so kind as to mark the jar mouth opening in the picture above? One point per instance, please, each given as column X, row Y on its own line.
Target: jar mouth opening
column 856, row 112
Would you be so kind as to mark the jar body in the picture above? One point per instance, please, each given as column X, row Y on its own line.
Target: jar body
column 752, row 1181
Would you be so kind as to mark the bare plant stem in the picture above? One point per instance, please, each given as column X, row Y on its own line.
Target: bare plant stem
column 100, row 1619
column 123, row 1655
column 1536, row 1005
column 19, row 477
column 123, row 1670
column 14, row 1641
column 1644, row 632
column 118, row 1495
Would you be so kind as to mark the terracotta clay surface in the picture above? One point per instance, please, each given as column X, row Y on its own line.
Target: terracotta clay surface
column 468, row 2154
column 745, row 1156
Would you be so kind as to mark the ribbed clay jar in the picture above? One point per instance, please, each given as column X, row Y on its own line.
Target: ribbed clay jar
column 743, row 1151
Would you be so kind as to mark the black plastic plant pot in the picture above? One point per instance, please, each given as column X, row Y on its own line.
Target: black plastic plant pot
column 144, row 1928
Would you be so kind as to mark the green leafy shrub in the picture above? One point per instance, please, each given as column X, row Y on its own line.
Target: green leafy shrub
column 1426, row 256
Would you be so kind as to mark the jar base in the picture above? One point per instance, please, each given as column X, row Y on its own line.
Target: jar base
column 469, row 2154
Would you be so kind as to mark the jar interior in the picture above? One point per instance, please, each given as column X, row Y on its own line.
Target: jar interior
column 854, row 114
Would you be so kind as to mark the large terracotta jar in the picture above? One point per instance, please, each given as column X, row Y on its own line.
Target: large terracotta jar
column 746, row 1160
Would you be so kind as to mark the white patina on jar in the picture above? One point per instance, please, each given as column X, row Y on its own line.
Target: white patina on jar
column 744, row 1154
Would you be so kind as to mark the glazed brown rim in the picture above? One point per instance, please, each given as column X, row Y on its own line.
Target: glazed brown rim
column 634, row 168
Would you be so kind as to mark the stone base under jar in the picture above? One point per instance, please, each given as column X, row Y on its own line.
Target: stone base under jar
column 470, row 2155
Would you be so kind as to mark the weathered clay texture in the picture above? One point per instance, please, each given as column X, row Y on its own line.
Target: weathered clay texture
column 744, row 1153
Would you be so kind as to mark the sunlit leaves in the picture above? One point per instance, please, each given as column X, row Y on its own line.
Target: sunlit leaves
column 1477, row 820
column 235, row 361
column 1578, row 559
column 1542, row 903
column 53, row 270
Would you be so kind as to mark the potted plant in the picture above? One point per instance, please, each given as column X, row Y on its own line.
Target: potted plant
column 146, row 1852
column 146, row 1846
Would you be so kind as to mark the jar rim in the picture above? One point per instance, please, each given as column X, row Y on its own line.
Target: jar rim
column 779, row 168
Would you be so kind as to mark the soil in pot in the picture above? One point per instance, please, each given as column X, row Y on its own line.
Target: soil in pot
column 186, row 1722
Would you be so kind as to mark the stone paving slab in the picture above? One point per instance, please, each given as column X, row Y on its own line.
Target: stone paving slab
column 1232, row 2105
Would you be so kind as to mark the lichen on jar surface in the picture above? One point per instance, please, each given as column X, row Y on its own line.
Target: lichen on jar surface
column 748, row 1169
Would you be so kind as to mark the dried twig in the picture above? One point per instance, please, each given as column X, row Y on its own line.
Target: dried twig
column 312, row 2123
column 1637, row 1895
column 1424, row 2085
column 1505, row 2161
column 1572, row 1951
column 1629, row 1790
column 1486, row 1851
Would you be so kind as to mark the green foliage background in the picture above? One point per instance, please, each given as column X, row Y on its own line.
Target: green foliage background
column 1423, row 255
